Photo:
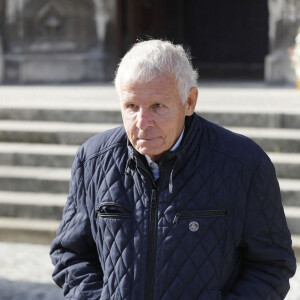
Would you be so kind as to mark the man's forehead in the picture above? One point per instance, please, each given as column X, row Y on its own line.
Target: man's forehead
column 137, row 90
column 156, row 95
column 157, row 86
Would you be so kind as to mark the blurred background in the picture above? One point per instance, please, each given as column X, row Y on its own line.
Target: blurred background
column 57, row 63
column 59, row 41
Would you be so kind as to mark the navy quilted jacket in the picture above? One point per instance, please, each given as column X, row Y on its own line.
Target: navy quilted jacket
column 211, row 228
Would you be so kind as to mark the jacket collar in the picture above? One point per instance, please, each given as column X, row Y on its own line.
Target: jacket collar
column 189, row 141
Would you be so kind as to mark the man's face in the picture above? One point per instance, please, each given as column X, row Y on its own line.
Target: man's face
column 153, row 115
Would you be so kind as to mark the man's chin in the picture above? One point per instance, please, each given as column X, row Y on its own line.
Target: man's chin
column 146, row 151
column 149, row 153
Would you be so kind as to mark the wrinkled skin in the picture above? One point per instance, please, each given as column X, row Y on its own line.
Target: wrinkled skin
column 153, row 114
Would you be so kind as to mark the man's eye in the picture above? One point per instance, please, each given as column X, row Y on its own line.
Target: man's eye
column 158, row 105
column 132, row 106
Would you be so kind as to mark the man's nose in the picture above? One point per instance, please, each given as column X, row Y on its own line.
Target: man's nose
column 144, row 119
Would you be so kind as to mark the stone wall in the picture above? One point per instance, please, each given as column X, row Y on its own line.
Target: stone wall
column 284, row 21
column 58, row 40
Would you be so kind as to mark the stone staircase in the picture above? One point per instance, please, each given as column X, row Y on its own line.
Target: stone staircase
column 41, row 128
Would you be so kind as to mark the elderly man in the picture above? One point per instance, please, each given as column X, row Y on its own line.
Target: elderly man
column 170, row 206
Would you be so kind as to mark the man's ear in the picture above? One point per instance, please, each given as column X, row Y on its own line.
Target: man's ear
column 191, row 101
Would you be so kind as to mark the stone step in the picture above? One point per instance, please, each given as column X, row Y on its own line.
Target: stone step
column 56, row 180
column 72, row 115
column 49, row 132
column 296, row 245
column 290, row 191
column 234, row 97
column 270, row 139
column 229, row 104
column 287, row 164
column 61, row 156
column 273, row 139
column 112, row 114
column 38, row 231
column 32, row 205
column 33, row 179
column 39, row 155
column 292, row 214
column 251, row 118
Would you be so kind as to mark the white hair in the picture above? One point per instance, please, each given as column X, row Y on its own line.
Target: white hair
column 149, row 59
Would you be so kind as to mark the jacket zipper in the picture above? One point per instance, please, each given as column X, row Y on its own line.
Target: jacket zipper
column 199, row 214
column 152, row 246
column 152, row 233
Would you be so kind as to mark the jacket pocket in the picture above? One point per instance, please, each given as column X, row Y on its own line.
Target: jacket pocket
column 112, row 210
column 199, row 214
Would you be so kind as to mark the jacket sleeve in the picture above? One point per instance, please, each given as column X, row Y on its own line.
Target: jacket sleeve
column 268, row 260
column 73, row 251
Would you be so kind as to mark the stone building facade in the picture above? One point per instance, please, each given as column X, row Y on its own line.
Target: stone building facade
column 57, row 41
column 47, row 41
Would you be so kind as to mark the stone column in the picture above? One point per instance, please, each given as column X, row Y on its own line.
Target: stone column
column 284, row 21
column 1, row 41
column 107, row 34
column 1, row 61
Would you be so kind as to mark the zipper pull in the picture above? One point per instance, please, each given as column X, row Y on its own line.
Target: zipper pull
column 153, row 199
column 97, row 211
column 177, row 216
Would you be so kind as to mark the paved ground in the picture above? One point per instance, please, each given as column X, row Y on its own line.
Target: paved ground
column 25, row 274
column 230, row 96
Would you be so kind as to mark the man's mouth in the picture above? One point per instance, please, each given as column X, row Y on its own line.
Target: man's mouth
column 147, row 139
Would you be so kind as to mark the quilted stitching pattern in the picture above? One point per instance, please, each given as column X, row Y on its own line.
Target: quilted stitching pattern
column 216, row 171
column 197, row 259
column 121, row 251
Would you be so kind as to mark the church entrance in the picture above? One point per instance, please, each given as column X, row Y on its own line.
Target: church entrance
column 227, row 39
